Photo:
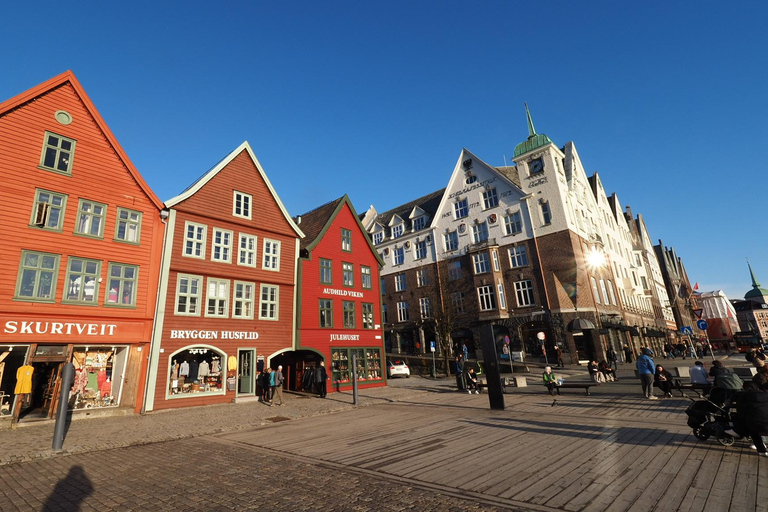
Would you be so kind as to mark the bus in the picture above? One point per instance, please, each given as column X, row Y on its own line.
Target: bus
column 747, row 340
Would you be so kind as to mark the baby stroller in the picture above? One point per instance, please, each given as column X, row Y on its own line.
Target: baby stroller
column 711, row 417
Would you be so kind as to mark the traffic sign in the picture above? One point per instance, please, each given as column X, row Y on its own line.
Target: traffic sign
column 698, row 313
column 431, row 346
column 702, row 324
column 686, row 330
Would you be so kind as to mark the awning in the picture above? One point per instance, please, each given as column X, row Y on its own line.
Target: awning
column 580, row 324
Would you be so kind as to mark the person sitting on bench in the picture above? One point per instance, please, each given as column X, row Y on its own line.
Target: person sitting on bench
column 662, row 379
column 472, row 381
column 550, row 381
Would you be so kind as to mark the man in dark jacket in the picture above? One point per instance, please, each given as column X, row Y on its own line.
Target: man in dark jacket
column 321, row 376
column 752, row 415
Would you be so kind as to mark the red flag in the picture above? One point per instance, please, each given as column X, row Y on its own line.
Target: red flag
column 696, row 286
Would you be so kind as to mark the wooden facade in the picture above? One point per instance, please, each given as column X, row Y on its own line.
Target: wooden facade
column 81, row 233
column 216, row 285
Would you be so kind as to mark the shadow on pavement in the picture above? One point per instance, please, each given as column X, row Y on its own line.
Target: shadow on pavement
column 70, row 491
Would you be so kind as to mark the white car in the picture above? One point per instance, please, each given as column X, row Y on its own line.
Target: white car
column 397, row 367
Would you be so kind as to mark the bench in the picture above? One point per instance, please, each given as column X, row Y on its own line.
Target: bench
column 575, row 385
column 680, row 386
column 512, row 382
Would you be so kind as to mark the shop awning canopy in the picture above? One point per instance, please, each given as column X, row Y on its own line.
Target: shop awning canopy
column 580, row 324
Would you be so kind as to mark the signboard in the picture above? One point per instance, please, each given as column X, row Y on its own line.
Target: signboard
column 541, row 336
column 686, row 330
column 431, row 346
column 702, row 324
column 698, row 313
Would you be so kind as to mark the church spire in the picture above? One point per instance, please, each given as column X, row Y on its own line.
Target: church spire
column 531, row 128
column 755, row 284
column 756, row 293
column 534, row 140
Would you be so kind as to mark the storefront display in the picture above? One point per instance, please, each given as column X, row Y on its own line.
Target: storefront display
column 196, row 370
column 368, row 364
column 98, row 375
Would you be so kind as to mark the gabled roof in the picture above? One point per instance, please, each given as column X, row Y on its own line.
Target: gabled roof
column 510, row 172
column 316, row 222
column 208, row 176
column 428, row 203
column 69, row 77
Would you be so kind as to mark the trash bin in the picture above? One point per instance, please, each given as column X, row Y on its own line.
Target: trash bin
column 461, row 382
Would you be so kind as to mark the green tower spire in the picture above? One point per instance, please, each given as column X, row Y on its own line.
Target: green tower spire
column 534, row 141
column 756, row 292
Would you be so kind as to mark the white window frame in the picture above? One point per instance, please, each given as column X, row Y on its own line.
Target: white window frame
column 457, row 301
column 524, row 293
column 245, row 203
column 490, row 198
column 271, row 255
column 420, row 249
column 398, row 255
column 402, row 311
column 400, row 284
column 513, row 223
column 502, row 298
column 397, row 231
column 451, row 239
column 480, row 232
column 595, row 291
column 546, row 213
column 605, row 292
column 518, row 256
column 419, row 223
column 240, row 297
column 222, row 247
column 197, row 250
column 378, row 237
column 249, row 253
column 495, row 258
column 481, row 263
column 425, row 307
column 422, row 277
column 486, row 296
column 271, row 302
column 220, row 297
column 367, row 315
column 461, row 209
column 189, row 295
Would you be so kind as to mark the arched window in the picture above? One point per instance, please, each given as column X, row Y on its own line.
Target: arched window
column 196, row 370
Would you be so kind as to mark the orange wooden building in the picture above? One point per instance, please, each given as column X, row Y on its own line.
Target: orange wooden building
column 81, row 232
column 340, row 302
column 228, row 292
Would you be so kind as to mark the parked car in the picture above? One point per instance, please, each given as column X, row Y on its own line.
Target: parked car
column 398, row 367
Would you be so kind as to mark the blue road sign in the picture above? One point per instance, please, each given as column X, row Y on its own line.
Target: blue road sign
column 431, row 346
column 686, row 330
column 702, row 324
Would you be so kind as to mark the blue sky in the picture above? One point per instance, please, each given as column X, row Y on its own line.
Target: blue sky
column 665, row 100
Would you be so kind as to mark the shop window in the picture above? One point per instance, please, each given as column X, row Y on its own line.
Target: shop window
column 58, row 153
column 122, row 285
column 82, row 282
column 99, row 375
column 37, row 276
column 247, row 252
column 195, row 370
column 90, row 219
column 128, row 226
column 369, row 364
column 48, row 212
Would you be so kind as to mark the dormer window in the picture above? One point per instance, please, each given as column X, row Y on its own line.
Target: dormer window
column 461, row 208
column 378, row 237
column 397, row 231
column 419, row 223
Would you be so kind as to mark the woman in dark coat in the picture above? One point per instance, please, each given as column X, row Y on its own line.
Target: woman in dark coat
column 752, row 415
column 662, row 379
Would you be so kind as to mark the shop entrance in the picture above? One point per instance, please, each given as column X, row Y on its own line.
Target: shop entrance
column 246, row 381
column 298, row 368
column 39, row 404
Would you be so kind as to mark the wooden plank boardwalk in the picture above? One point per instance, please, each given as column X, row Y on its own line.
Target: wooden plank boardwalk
column 609, row 452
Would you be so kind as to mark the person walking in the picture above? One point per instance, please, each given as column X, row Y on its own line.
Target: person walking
column 458, row 371
column 559, row 353
column 265, row 384
column 321, row 377
column 277, row 388
column 465, row 351
column 613, row 359
column 646, row 370
column 627, row 354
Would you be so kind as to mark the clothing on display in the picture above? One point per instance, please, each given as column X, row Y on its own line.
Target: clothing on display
column 24, row 379
column 198, row 372
column 184, row 369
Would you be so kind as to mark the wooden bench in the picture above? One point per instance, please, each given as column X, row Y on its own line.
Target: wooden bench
column 575, row 385
column 697, row 388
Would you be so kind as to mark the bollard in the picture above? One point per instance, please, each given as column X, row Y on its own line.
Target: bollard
column 354, row 379
column 67, row 376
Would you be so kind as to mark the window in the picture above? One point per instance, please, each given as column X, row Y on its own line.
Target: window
column 546, row 214
column 400, row 282
column 397, row 231
column 518, row 256
column 243, row 300
column 451, row 241
column 461, row 209
column 268, row 309
column 419, row 223
column 398, row 255
column 90, row 219
column 200, row 356
column 326, row 313
column 128, row 226
column 524, row 292
column 221, row 246
column 502, row 299
column 346, row 240
column 367, row 315
column 425, row 307
column 82, row 282
column 348, row 274
column 349, row 314
column 246, row 254
column 326, row 271
column 490, row 198
column 381, row 282
column 605, row 291
column 271, row 255
column 481, row 262
column 365, row 277
column 495, row 255
column 402, row 312
column 513, row 223
column 122, row 284
column 457, row 302
column 189, row 291
column 369, row 364
column 421, row 250
column 194, row 240
column 48, row 212
column 58, row 153
column 384, row 316
column 217, row 298
column 378, row 237
column 595, row 291
column 241, row 205
column 487, row 297
column 480, row 232
column 422, row 277
column 454, row 270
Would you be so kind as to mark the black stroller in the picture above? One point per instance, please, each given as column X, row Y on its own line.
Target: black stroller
column 711, row 417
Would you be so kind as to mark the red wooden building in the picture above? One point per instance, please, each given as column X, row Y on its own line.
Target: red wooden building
column 340, row 301
column 227, row 295
column 81, row 232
